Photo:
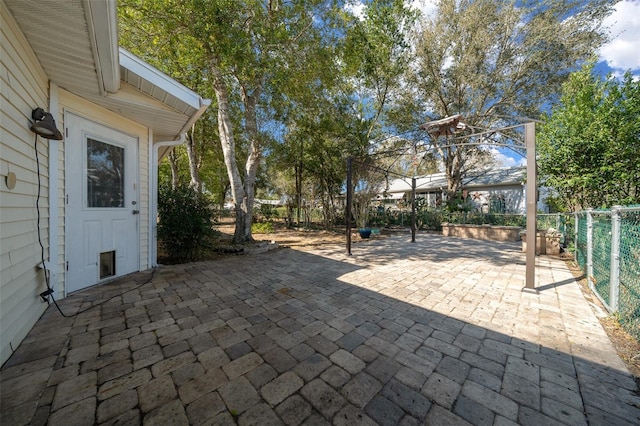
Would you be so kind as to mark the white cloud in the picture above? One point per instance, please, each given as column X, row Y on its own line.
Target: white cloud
column 427, row 7
column 623, row 52
column 356, row 8
column 503, row 160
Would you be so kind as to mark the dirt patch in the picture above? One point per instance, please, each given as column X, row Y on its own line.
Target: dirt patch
column 627, row 347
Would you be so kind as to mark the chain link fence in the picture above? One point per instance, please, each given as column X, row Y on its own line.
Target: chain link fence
column 607, row 248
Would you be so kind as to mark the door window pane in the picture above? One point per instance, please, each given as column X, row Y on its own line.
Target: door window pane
column 105, row 174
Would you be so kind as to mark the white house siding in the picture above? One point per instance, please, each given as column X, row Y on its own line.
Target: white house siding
column 23, row 87
column 78, row 106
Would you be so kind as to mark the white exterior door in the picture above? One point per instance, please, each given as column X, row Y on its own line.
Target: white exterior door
column 102, row 205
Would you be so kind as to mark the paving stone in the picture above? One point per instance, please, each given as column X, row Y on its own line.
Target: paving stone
column 366, row 353
column 142, row 340
column 453, row 369
column 213, row 358
column 530, row 417
column 170, row 364
column 564, row 413
column 467, row 343
column 259, row 415
column 201, row 342
column 238, row 350
column 332, row 334
column 155, row 393
column 74, row 390
column 79, row 413
column 347, row 361
column 409, row 342
column 441, row 390
column 524, row 369
column 239, row 395
column 281, row 387
column 490, row 399
column 280, row 360
column 147, row 356
column 323, row 397
column 361, row 389
column 201, row 385
column 442, row 347
column 322, row 345
column 406, row 398
column 350, row 341
column 114, row 370
column 302, row 351
column 352, row 416
column 205, row 408
column 123, row 383
column 152, row 326
column 312, row 367
column 235, row 338
column 57, row 376
column 187, row 372
column 104, row 360
column 421, row 331
column 422, row 364
column 294, row 410
column 482, row 363
column 411, row 378
column 521, row 391
column 175, row 348
column 485, row 379
column 168, row 414
column 83, row 353
column 262, row 344
column 242, row 365
column 383, row 368
column 117, row 405
column 440, row 416
column 384, row 412
column 335, row 376
column 473, row 412
column 261, row 375
column 316, row 419
column 561, row 394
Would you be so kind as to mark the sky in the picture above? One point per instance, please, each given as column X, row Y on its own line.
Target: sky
column 622, row 53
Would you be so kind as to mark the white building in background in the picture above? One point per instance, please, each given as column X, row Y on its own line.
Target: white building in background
column 492, row 191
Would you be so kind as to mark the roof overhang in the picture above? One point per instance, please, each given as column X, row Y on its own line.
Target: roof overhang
column 76, row 44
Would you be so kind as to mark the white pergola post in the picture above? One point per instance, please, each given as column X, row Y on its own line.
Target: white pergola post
column 532, row 190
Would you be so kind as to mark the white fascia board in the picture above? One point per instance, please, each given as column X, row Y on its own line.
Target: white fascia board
column 102, row 20
column 159, row 79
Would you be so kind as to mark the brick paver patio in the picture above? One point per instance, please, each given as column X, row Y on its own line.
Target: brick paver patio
column 436, row 332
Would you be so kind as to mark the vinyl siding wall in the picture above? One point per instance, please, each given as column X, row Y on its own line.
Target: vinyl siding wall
column 23, row 87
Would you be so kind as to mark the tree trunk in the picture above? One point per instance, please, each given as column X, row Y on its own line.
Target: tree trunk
column 251, row 166
column 227, row 141
column 194, row 171
column 173, row 164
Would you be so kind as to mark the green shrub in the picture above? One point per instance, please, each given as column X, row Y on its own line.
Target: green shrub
column 185, row 223
column 262, row 227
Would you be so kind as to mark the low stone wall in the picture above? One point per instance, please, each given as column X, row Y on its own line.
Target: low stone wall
column 482, row 232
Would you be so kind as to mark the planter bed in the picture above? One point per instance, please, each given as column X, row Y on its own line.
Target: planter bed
column 482, row 232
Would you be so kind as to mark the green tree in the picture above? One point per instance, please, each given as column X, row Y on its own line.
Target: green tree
column 589, row 148
column 487, row 60
column 245, row 51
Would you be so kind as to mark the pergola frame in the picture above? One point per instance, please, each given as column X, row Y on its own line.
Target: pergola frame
column 448, row 127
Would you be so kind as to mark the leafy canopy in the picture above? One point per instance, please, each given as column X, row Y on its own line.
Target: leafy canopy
column 589, row 148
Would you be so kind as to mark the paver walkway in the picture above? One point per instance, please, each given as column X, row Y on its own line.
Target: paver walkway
column 437, row 332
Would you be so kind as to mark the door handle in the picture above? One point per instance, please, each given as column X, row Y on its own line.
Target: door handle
column 136, row 211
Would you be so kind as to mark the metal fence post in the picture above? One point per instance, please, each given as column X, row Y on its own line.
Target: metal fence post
column 590, row 248
column 614, row 280
column 576, row 221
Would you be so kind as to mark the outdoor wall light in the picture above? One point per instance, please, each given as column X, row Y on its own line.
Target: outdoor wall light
column 44, row 125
